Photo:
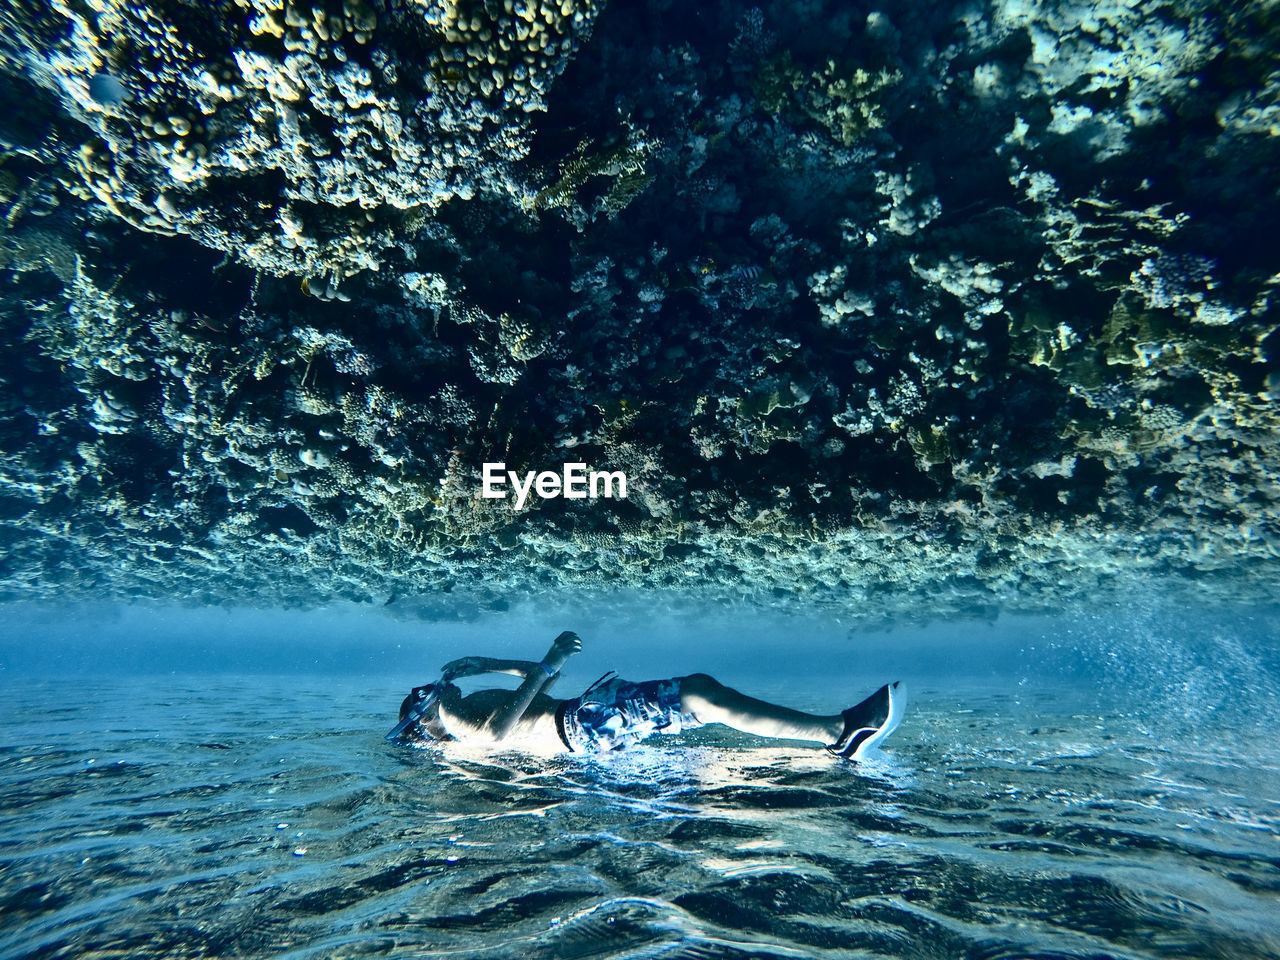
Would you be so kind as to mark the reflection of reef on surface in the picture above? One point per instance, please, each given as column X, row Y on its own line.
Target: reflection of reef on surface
column 912, row 313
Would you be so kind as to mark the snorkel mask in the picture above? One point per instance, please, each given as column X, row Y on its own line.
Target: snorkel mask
column 415, row 708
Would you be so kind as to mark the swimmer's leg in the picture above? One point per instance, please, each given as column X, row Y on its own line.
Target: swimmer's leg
column 712, row 702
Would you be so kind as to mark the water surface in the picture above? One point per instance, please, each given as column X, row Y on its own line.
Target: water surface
column 218, row 815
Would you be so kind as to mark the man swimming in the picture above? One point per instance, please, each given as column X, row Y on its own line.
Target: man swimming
column 614, row 713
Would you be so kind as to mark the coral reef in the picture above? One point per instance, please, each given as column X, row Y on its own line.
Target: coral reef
column 912, row 312
column 295, row 136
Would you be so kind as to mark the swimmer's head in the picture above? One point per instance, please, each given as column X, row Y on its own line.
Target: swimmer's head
column 419, row 715
column 414, row 696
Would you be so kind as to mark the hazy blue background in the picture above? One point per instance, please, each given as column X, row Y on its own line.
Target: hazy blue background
column 1174, row 665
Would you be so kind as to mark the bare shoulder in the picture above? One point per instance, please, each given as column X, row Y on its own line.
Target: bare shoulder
column 469, row 715
column 481, row 703
column 472, row 711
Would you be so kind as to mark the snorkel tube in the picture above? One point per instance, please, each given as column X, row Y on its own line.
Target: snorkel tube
column 415, row 707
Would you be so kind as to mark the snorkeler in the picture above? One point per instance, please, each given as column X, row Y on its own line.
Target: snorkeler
column 614, row 713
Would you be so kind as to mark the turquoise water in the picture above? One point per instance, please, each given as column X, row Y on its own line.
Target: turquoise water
column 227, row 814
column 940, row 339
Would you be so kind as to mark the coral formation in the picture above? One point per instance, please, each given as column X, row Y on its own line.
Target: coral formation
column 918, row 311
column 295, row 136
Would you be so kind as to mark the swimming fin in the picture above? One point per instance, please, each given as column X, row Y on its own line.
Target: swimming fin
column 868, row 723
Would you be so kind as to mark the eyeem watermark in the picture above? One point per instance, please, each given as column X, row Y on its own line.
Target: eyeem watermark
column 573, row 483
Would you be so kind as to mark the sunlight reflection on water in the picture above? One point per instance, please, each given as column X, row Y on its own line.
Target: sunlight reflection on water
column 266, row 816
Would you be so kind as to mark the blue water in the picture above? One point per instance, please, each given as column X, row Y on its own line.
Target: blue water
column 216, row 784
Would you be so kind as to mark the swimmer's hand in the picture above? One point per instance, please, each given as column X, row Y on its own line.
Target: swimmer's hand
column 464, row 667
column 562, row 648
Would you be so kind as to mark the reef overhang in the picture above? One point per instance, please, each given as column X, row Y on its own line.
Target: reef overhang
column 910, row 316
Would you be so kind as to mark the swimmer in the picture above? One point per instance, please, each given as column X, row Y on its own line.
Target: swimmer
column 614, row 713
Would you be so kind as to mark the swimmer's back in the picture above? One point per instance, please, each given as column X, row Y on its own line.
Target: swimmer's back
column 467, row 719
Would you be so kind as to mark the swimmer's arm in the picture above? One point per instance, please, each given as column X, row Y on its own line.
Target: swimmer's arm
column 473, row 666
column 509, row 714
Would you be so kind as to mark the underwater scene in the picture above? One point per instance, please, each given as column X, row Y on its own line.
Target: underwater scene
column 870, row 409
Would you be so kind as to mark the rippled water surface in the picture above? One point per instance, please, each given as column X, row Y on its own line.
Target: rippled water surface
column 186, row 818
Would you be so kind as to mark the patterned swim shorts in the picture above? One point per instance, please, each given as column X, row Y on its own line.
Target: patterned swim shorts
column 615, row 713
